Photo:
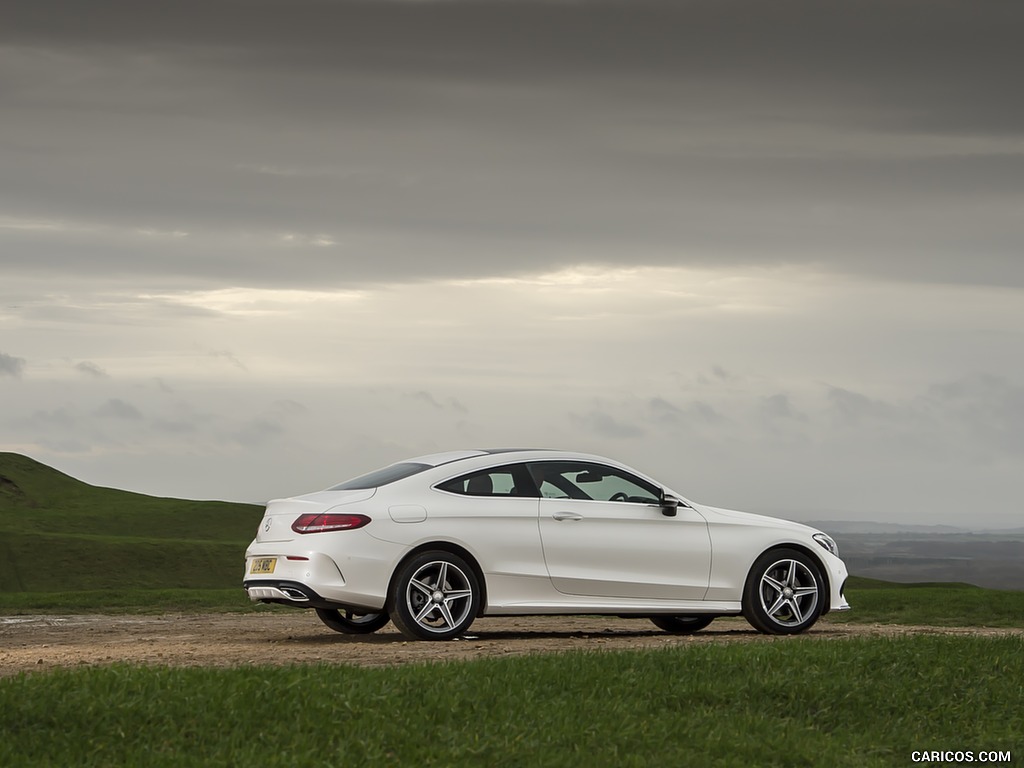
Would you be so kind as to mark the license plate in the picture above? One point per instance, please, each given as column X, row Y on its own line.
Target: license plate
column 263, row 565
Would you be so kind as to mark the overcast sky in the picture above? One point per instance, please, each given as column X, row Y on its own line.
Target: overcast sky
column 770, row 253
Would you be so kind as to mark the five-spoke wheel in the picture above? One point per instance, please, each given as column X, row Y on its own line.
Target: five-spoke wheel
column 784, row 592
column 434, row 596
column 350, row 622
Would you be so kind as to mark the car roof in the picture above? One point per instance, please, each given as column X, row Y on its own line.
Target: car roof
column 446, row 457
column 478, row 458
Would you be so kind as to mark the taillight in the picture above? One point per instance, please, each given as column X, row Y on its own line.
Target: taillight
column 327, row 522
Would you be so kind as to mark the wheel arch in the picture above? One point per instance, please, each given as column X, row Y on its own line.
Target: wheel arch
column 451, row 548
column 804, row 549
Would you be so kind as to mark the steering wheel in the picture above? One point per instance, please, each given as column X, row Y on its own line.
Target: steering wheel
column 620, row 496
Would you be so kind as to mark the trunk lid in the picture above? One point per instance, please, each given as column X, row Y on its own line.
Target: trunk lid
column 276, row 524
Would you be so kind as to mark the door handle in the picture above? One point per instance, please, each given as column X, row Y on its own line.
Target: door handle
column 566, row 516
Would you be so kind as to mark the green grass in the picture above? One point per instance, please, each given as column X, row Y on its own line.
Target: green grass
column 796, row 702
column 58, row 534
column 947, row 605
column 129, row 601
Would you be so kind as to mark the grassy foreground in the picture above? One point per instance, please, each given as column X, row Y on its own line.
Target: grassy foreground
column 861, row 702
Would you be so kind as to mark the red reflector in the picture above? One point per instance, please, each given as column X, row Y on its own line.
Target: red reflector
column 325, row 522
column 296, row 557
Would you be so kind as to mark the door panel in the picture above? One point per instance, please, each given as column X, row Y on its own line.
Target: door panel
column 624, row 549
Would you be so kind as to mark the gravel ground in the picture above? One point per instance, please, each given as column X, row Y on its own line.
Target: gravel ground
column 29, row 643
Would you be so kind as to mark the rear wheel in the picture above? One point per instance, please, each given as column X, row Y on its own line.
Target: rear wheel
column 682, row 625
column 784, row 593
column 434, row 596
column 350, row 622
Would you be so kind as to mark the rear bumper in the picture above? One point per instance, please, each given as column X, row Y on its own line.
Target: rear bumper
column 296, row 595
column 306, row 578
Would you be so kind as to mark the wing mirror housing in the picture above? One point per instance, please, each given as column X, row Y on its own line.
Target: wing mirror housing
column 669, row 505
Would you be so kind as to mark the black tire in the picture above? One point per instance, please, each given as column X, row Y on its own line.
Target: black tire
column 682, row 625
column 434, row 596
column 784, row 593
column 351, row 623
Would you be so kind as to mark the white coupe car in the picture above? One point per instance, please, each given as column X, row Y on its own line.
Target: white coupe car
column 434, row 542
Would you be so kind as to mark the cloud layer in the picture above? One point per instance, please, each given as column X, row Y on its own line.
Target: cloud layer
column 350, row 141
column 769, row 252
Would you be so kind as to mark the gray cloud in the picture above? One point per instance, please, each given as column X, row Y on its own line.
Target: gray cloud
column 431, row 145
column 283, row 409
column 450, row 403
column 696, row 413
column 11, row 366
column 990, row 407
column 175, row 427
column 606, row 425
column 778, row 406
column 256, row 432
column 854, row 407
column 229, row 358
column 91, row 369
column 65, row 446
column 425, row 397
column 664, row 411
column 58, row 418
column 116, row 408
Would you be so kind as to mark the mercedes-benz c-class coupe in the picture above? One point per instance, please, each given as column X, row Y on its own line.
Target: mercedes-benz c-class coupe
column 434, row 542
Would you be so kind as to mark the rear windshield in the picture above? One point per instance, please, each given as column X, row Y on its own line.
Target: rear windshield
column 381, row 477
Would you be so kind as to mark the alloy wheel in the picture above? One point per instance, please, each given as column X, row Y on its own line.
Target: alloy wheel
column 789, row 592
column 439, row 596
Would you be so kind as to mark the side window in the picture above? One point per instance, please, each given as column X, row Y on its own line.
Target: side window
column 498, row 481
column 549, row 490
column 579, row 480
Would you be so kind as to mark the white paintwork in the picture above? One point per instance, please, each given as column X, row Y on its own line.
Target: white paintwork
column 616, row 549
column 542, row 556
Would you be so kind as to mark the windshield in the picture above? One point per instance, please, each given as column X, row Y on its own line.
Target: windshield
column 381, row 477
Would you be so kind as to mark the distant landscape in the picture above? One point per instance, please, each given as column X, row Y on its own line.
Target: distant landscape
column 917, row 553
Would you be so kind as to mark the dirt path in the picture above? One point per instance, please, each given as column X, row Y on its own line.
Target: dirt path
column 286, row 637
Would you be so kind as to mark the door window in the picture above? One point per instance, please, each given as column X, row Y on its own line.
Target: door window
column 582, row 480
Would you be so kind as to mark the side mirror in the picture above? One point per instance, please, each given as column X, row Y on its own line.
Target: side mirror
column 669, row 505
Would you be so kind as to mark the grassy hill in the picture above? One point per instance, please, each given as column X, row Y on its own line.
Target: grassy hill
column 58, row 534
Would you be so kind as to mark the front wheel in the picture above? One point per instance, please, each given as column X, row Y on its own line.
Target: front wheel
column 682, row 625
column 784, row 593
column 434, row 596
column 351, row 623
